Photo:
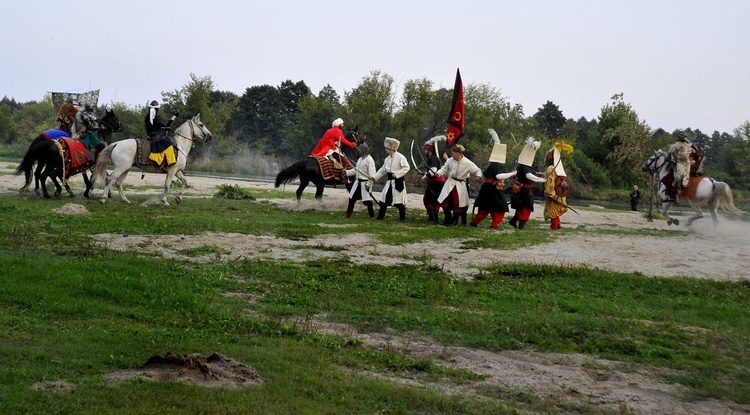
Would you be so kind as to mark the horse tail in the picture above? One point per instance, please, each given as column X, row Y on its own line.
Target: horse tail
column 290, row 173
column 723, row 195
column 100, row 168
column 33, row 155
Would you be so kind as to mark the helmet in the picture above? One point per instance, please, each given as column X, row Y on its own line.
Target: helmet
column 154, row 104
column 680, row 135
column 364, row 150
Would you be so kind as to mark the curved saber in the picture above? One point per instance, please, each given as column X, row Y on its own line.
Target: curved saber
column 411, row 153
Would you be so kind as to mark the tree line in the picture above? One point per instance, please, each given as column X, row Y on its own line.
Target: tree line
column 284, row 123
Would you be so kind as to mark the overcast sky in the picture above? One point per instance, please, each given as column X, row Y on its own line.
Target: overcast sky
column 679, row 63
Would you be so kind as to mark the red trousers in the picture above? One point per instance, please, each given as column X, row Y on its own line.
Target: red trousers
column 555, row 223
column 523, row 214
column 497, row 218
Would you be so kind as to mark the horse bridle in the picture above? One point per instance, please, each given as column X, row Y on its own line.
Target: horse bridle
column 653, row 159
column 192, row 132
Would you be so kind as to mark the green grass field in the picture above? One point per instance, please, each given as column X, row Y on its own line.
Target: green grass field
column 73, row 311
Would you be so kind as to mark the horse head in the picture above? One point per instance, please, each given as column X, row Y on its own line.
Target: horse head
column 357, row 138
column 197, row 129
column 109, row 124
column 656, row 162
column 110, row 121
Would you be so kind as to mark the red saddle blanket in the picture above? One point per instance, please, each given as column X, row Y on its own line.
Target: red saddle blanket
column 75, row 153
column 688, row 193
column 328, row 171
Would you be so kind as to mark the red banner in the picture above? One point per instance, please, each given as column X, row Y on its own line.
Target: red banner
column 457, row 113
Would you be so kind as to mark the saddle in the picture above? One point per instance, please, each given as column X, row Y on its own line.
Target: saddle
column 143, row 153
column 75, row 157
column 329, row 171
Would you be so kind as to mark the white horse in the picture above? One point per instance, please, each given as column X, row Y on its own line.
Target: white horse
column 716, row 194
column 123, row 156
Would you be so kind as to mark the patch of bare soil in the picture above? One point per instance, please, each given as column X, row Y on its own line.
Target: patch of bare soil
column 53, row 386
column 571, row 378
column 72, row 209
column 215, row 370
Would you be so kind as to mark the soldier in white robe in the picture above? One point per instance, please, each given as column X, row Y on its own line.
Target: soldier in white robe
column 454, row 198
column 363, row 170
column 395, row 167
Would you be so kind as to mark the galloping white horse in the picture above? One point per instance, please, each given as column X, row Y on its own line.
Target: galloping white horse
column 123, row 157
column 716, row 194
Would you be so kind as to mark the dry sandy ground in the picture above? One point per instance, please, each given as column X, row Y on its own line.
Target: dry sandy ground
column 700, row 251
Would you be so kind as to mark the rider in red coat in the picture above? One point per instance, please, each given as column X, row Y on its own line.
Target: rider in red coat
column 329, row 142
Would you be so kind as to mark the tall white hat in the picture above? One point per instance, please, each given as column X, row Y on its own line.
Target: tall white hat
column 528, row 152
column 499, row 151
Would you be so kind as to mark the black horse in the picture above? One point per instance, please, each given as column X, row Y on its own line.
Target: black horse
column 47, row 154
column 308, row 169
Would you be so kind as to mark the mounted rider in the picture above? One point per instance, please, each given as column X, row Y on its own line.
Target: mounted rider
column 330, row 142
column 67, row 116
column 89, row 133
column 687, row 160
column 162, row 148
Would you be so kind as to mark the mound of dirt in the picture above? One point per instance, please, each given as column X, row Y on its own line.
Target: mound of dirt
column 72, row 209
column 215, row 370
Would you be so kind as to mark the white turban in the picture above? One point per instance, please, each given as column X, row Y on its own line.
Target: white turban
column 337, row 122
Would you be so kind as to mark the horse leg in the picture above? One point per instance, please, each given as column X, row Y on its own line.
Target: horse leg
column 38, row 180
column 167, row 183
column 69, row 190
column 664, row 207
column 698, row 213
column 181, row 175
column 89, row 186
column 303, row 182
column 106, row 192
column 319, row 187
column 58, row 188
column 120, row 180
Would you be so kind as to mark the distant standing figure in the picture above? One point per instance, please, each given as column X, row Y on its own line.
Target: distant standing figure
column 635, row 197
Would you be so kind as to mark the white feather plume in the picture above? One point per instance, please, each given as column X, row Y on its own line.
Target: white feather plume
column 495, row 138
column 533, row 143
column 435, row 139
